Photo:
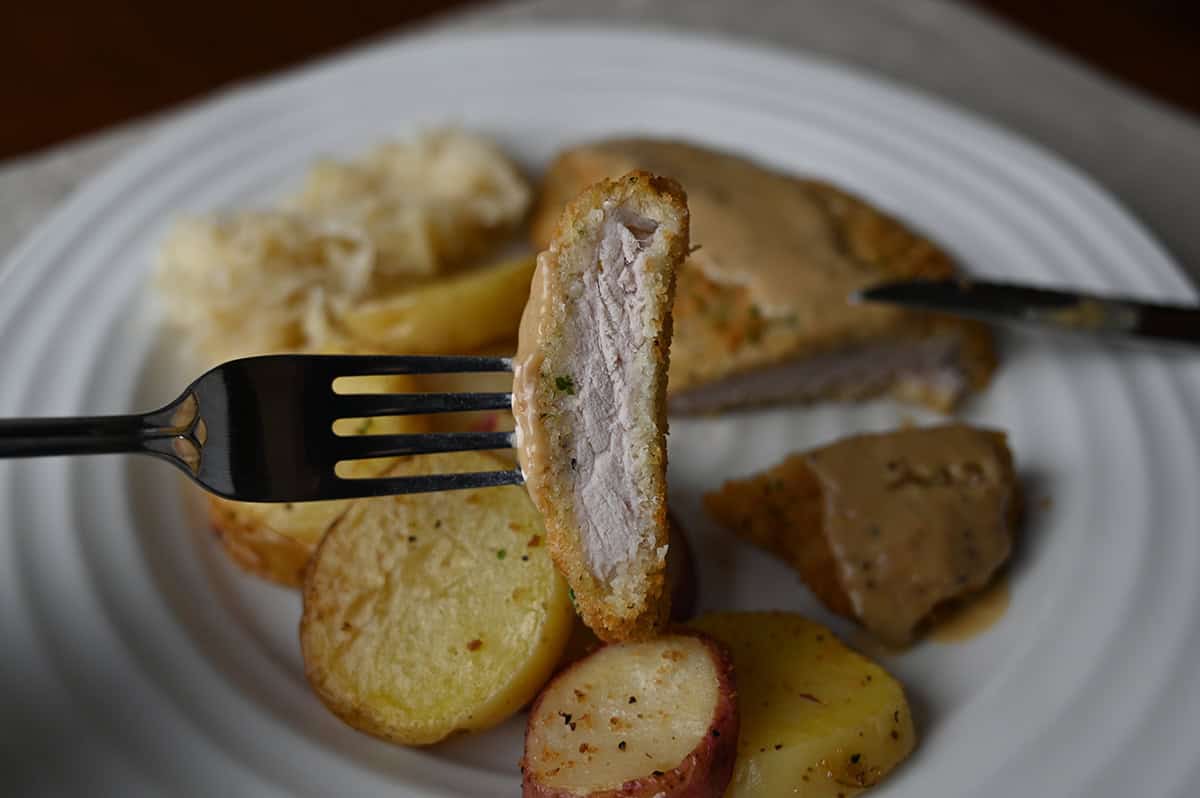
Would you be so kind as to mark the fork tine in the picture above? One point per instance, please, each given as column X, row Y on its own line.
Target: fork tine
column 360, row 447
column 387, row 486
column 365, row 365
column 361, row 405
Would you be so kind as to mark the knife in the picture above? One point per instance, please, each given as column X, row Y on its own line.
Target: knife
column 1067, row 310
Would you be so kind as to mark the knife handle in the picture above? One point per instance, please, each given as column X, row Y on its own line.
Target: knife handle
column 1168, row 323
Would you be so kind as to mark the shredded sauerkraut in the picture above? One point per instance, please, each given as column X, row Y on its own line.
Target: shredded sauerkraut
column 426, row 204
column 277, row 280
column 261, row 281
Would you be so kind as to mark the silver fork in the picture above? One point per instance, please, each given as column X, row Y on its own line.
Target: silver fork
column 260, row 429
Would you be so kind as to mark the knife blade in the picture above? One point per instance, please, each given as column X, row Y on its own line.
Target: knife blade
column 1063, row 309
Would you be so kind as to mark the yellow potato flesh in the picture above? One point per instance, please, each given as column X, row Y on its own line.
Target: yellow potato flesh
column 435, row 613
column 818, row 720
column 459, row 314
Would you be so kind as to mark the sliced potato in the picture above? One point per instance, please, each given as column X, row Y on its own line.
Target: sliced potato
column 251, row 542
column 652, row 718
column 459, row 314
column 249, row 535
column 818, row 719
column 435, row 613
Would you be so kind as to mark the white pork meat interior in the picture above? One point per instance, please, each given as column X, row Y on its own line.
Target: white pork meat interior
column 612, row 332
column 916, row 369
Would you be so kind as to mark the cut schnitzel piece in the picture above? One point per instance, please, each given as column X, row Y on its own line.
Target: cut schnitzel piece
column 761, row 313
column 885, row 528
column 683, row 587
column 589, row 396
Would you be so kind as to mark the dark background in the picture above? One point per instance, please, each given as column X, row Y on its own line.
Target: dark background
column 74, row 68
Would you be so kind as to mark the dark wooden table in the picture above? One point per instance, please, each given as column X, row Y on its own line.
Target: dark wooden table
column 75, row 69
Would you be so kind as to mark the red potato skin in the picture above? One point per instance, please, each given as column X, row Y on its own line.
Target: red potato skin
column 704, row 773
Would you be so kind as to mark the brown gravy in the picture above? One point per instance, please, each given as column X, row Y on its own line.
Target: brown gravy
column 532, row 449
column 760, row 229
column 977, row 614
column 915, row 518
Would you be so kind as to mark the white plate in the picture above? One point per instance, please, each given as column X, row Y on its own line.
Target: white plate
column 136, row 660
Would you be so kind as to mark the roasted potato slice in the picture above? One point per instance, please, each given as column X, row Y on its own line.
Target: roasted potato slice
column 431, row 614
column 251, row 534
column 653, row 718
column 446, row 317
column 818, row 719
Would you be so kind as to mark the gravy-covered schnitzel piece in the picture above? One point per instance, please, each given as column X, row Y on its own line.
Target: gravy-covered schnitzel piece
column 589, row 396
column 885, row 528
column 761, row 313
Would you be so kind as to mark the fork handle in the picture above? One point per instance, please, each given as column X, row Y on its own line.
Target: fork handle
column 41, row 437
